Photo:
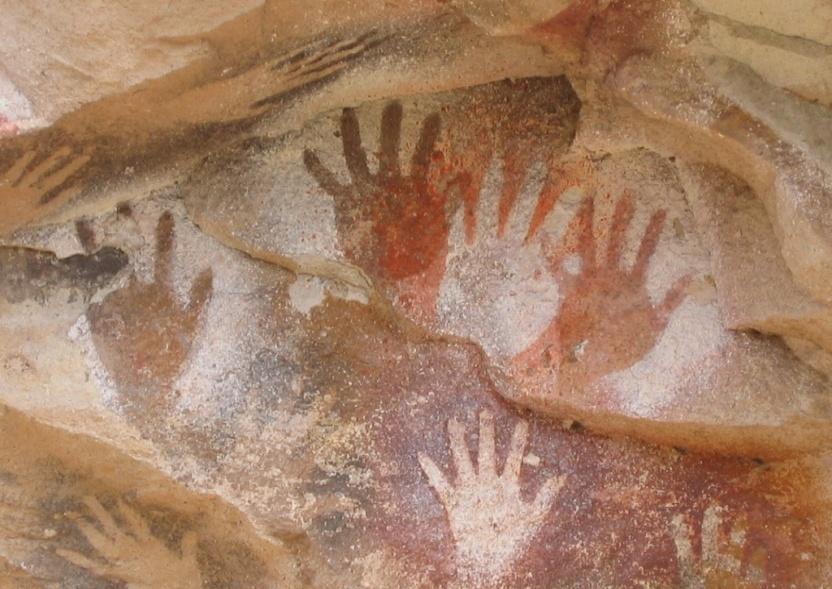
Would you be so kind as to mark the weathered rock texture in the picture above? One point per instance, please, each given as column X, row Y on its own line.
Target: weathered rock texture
column 431, row 294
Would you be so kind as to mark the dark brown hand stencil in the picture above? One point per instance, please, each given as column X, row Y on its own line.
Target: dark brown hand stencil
column 28, row 193
column 142, row 333
column 606, row 321
column 405, row 213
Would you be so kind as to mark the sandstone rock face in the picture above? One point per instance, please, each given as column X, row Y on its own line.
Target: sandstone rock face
column 76, row 56
column 788, row 45
column 444, row 295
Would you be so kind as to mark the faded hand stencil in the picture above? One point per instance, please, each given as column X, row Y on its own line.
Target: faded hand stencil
column 722, row 558
column 606, row 320
column 27, row 194
column 272, row 82
column 489, row 519
column 391, row 223
column 132, row 554
column 311, row 64
column 143, row 333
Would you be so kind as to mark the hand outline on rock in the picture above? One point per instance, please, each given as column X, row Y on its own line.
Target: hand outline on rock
column 401, row 232
column 720, row 560
column 132, row 554
column 606, row 320
column 142, row 332
column 311, row 63
column 30, row 194
column 490, row 522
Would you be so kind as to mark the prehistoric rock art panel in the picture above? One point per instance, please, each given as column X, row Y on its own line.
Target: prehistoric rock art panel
column 599, row 286
column 121, row 143
column 385, row 375
column 535, row 290
column 389, row 219
column 310, row 413
column 531, row 236
column 76, row 513
column 423, row 482
column 490, row 521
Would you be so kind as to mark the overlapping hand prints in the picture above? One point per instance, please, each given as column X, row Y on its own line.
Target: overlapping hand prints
column 368, row 434
column 460, row 488
column 529, row 284
column 498, row 290
column 578, row 271
column 350, row 438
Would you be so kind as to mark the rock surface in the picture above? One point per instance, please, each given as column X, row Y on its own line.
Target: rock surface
column 434, row 294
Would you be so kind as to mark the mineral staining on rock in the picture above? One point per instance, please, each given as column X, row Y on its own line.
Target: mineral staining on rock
column 456, row 334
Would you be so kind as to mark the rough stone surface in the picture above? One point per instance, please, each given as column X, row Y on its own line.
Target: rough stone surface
column 76, row 56
column 455, row 294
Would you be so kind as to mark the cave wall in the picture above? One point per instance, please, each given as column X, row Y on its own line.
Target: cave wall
column 427, row 294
